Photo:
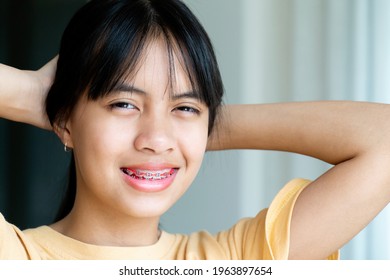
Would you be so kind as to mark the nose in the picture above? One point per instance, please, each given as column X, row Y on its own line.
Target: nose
column 155, row 134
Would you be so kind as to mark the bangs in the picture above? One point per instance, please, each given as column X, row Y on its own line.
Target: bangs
column 103, row 83
column 121, row 62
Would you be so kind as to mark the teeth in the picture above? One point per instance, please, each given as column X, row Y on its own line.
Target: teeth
column 149, row 174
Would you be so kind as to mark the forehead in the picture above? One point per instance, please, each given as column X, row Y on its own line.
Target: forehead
column 160, row 66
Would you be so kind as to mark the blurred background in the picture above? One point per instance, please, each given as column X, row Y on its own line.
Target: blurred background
column 268, row 51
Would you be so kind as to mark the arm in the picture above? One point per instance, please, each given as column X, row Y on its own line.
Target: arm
column 354, row 136
column 23, row 93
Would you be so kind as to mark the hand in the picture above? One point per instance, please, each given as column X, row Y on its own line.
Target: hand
column 23, row 94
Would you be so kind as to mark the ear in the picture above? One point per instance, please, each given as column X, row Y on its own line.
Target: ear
column 63, row 131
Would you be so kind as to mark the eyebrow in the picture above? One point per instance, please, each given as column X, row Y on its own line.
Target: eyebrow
column 184, row 95
column 129, row 88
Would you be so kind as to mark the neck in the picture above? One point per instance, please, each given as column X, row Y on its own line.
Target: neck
column 109, row 230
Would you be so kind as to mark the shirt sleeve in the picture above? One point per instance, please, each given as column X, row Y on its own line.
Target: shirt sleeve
column 266, row 236
column 11, row 244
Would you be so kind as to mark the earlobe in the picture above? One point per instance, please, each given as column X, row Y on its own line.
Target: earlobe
column 64, row 133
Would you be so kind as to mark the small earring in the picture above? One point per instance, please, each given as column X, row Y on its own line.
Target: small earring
column 66, row 148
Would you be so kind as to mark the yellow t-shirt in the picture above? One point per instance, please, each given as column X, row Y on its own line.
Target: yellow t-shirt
column 265, row 236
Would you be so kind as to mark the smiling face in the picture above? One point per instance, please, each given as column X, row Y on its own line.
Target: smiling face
column 138, row 148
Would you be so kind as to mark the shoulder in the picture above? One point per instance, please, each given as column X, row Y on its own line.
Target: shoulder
column 265, row 236
column 14, row 244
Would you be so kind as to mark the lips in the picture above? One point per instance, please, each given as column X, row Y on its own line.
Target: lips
column 153, row 179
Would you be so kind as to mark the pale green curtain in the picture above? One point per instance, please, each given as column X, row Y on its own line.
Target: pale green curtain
column 334, row 49
column 341, row 50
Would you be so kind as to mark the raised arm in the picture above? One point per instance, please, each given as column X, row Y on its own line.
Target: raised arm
column 23, row 93
column 354, row 136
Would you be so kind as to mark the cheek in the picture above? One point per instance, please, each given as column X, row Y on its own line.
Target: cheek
column 197, row 139
column 101, row 139
column 193, row 145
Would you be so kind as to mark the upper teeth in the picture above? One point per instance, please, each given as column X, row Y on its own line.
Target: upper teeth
column 150, row 174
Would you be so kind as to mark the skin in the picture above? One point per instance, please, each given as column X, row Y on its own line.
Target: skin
column 353, row 136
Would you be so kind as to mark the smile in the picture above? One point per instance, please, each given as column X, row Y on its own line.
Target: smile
column 149, row 181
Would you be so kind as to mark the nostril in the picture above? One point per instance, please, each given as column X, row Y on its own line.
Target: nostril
column 154, row 142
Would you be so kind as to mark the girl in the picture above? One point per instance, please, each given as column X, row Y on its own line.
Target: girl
column 136, row 98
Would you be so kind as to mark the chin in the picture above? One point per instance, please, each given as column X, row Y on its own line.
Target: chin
column 144, row 211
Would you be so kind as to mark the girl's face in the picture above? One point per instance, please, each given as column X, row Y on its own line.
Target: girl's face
column 138, row 149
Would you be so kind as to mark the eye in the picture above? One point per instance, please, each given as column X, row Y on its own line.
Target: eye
column 122, row 105
column 188, row 109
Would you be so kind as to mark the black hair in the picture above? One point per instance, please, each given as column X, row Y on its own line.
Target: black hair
column 104, row 43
